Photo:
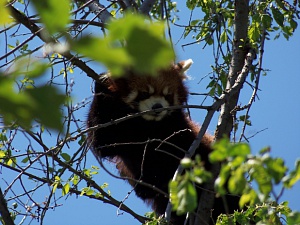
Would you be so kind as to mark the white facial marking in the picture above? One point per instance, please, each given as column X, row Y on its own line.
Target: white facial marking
column 166, row 90
column 151, row 89
column 130, row 98
column 147, row 104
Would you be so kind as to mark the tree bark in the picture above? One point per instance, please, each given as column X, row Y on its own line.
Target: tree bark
column 225, row 122
column 239, row 64
column 4, row 211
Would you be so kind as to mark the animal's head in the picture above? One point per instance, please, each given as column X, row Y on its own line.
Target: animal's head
column 151, row 93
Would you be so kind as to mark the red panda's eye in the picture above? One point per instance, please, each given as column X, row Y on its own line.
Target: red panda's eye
column 144, row 95
column 169, row 98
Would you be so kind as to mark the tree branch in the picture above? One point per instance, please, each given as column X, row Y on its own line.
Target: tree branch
column 225, row 122
column 207, row 199
column 4, row 211
column 238, row 71
column 147, row 6
column 260, row 60
column 205, row 207
column 21, row 18
column 99, row 9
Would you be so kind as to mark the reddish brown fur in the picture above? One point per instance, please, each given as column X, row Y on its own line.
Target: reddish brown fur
column 143, row 162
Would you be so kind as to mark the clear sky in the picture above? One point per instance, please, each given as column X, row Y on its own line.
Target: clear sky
column 277, row 110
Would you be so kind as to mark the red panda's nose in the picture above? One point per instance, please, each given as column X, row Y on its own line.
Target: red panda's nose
column 157, row 106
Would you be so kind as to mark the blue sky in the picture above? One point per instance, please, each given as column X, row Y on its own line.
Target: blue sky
column 277, row 110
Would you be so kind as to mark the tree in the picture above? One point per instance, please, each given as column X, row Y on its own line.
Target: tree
column 43, row 136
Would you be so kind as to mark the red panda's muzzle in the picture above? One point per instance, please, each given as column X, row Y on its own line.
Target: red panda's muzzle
column 153, row 104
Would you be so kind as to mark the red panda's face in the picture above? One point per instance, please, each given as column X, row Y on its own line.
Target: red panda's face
column 151, row 97
column 152, row 93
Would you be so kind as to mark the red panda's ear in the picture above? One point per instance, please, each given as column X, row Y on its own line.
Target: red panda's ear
column 184, row 65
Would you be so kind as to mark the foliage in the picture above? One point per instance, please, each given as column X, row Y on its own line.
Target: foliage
column 43, row 136
column 29, row 102
column 132, row 28
column 183, row 194
column 240, row 172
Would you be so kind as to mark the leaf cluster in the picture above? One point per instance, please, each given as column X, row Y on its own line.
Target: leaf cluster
column 183, row 194
column 254, row 178
column 144, row 48
column 24, row 102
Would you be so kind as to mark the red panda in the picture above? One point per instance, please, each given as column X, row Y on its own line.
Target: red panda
column 148, row 147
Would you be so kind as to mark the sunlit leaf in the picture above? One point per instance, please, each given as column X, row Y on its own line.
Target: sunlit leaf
column 293, row 218
column 66, row 189
column 186, row 163
column 237, row 181
column 263, row 179
column 75, row 180
column 173, row 193
column 254, row 32
column 47, row 101
column 220, row 152
column 113, row 57
column 2, row 154
column 54, row 187
column 145, row 42
column 144, row 47
column 187, row 197
column 223, row 37
column 293, row 177
column 4, row 13
column 276, row 169
column 249, row 198
column 54, row 13
column 239, row 149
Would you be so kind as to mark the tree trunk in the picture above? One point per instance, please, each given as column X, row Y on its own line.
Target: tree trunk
column 225, row 122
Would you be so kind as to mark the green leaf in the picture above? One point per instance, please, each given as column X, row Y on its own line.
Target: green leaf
column 32, row 103
column 278, row 16
column 4, row 13
column 55, row 184
column 263, row 179
column 89, row 191
column 237, row 181
column 173, row 193
column 187, row 197
column 145, row 49
column 75, row 180
column 248, row 198
column 293, row 177
column 54, row 14
column 276, row 169
column 223, row 37
column 186, row 163
column 147, row 58
column 66, row 189
column 113, row 57
column 254, row 32
column 46, row 105
column 25, row 160
column 220, row 152
column 65, row 156
column 2, row 154
column 239, row 149
column 54, row 187
column 266, row 20
column 293, row 218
